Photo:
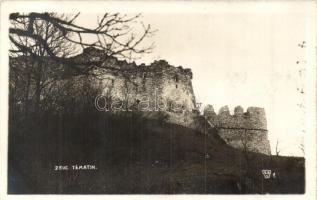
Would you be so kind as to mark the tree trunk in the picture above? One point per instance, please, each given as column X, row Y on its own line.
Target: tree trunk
column 38, row 86
column 26, row 95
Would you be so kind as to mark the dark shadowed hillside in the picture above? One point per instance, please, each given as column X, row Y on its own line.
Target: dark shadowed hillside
column 134, row 155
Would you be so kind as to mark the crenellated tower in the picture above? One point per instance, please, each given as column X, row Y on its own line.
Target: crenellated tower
column 242, row 129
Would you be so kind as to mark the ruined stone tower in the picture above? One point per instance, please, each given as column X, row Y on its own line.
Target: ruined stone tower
column 242, row 130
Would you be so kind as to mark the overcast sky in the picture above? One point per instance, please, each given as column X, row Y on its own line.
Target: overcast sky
column 242, row 58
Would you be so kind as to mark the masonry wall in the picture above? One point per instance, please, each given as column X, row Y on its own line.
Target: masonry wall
column 257, row 140
column 159, row 85
column 242, row 129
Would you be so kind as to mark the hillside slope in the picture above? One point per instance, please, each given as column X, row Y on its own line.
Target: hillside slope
column 134, row 155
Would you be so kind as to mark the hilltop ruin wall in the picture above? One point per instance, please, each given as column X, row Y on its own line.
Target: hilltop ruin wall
column 242, row 129
column 160, row 83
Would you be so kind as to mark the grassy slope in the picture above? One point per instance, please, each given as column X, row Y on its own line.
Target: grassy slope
column 138, row 156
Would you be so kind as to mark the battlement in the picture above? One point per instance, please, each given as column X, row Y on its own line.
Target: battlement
column 253, row 118
column 155, row 68
column 128, row 81
column 233, row 128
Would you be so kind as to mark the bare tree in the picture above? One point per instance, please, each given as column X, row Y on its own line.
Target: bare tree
column 302, row 148
column 247, row 147
column 277, row 149
column 37, row 36
column 38, row 70
column 113, row 34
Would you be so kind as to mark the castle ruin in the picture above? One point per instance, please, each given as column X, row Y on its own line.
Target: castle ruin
column 158, row 84
column 161, row 83
column 242, row 130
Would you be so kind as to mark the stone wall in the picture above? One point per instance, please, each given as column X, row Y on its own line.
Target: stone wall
column 242, row 129
column 159, row 85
